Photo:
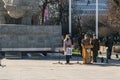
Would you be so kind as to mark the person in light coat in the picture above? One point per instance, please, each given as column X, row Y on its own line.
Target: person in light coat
column 67, row 46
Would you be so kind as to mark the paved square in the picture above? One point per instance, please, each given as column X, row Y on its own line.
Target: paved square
column 41, row 69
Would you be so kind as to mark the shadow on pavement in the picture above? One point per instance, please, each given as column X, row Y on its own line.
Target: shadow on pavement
column 77, row 60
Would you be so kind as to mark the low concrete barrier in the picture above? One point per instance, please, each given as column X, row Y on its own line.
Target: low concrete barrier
column 15, row 39
column 28, row 36
column 116, row 49
column 103, row 49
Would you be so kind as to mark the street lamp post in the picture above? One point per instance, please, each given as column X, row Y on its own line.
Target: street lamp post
column 70, row 19
column 96, row 26
column 70, row 30
column 97, row 19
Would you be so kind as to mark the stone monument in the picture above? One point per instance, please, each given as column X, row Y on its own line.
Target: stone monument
column 22, row 10
column 16, row 30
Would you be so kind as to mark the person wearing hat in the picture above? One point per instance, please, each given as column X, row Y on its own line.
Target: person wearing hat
column 95, row 43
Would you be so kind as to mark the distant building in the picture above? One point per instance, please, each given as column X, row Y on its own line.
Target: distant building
column 85, row 8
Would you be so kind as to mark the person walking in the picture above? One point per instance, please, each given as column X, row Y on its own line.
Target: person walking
column 95, row 43
column 67, row 46
column 109, row 45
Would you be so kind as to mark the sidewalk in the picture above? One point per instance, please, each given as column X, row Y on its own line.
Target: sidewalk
column 41, row 69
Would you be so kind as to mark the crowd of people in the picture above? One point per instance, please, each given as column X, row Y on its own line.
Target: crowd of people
column 88, row 46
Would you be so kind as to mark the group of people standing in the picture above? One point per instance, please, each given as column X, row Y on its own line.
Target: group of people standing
column 67, row 46
column 89, row 46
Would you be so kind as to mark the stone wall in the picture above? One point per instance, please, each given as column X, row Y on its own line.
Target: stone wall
column 27, row 36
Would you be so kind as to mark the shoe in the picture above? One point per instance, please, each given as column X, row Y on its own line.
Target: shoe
column 109, row 58
column 95, row 61
column 66, row 63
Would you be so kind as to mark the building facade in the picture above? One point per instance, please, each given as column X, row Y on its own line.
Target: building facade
column 85, row 7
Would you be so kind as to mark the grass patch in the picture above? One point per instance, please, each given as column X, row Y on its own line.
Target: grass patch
column 76, row 52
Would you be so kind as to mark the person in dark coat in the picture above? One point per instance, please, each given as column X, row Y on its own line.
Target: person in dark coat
column 95, row 43
column 109, row 44
column 79, row 44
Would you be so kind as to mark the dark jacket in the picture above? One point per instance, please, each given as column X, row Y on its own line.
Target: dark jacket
column 109, row 44
column 95, row 43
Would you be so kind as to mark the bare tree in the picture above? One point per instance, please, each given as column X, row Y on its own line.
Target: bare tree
column 57, row 10
column 45, row 3
column 114, row 12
